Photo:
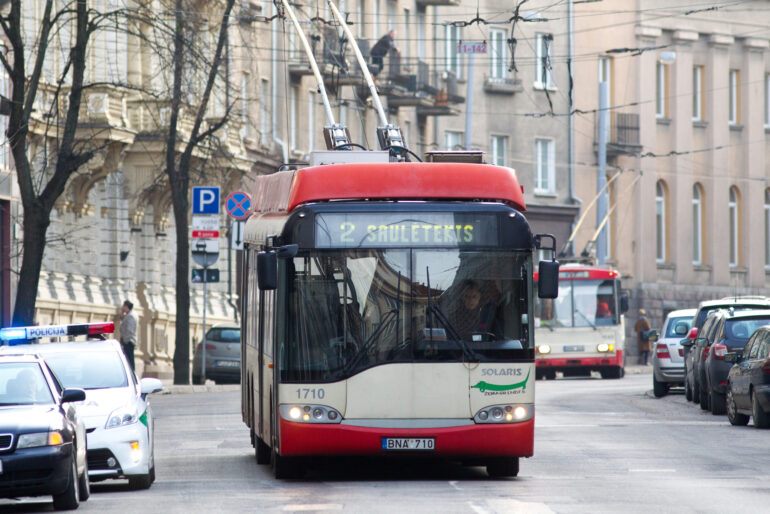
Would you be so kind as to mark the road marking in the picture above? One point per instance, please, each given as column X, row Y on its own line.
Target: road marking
column 477, row 509
column 453, row 483
column 309, row 507
column 652, row 470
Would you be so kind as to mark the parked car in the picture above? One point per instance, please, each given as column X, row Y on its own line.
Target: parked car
column 696, row 356
column 223, row 354
column 668, row 354
column 42, row 437
column 748, row 383
column 732, row 336
column 738, row 303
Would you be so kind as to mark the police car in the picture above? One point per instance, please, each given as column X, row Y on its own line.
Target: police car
column 116, row 410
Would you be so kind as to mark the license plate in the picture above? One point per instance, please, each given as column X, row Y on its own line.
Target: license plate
column 227, row 364
column 403, row 443
column 579, row 348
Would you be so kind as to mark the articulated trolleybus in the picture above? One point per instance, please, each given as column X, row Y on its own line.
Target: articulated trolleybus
column 583, row 329
column 387, row 310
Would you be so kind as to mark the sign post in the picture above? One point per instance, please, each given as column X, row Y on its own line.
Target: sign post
column 471, row 48
column 205, row 252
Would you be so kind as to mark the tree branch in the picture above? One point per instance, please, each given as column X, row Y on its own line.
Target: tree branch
column 42, row 46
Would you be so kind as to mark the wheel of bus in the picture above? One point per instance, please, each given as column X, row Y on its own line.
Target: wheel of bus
column 539, row 375
column 717, row 403
column 659, row 389
column 616, row 372
column 261, row 450
column 503, row 467
column 285, row 467
column 703, row 396
column 550, row 375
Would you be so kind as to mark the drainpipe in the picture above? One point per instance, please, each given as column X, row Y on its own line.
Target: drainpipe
column 274, row 89
column 571, row 135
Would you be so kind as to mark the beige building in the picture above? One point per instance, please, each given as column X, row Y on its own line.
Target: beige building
column 689, row 125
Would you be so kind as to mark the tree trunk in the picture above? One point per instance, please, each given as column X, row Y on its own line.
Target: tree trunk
column 182, row 351
column 35, row 226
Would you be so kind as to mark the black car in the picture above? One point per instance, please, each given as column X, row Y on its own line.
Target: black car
column 732, row 336
column 695, row 356
column 748, row 383
column 42, row 440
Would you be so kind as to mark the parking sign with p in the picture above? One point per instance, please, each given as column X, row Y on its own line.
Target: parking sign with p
column 205, row 200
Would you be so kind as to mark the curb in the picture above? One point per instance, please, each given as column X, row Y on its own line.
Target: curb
column 638, row 370
column 209, row 387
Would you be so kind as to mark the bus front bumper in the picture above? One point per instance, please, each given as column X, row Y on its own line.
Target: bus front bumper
column 477, row 440
column 610, row 360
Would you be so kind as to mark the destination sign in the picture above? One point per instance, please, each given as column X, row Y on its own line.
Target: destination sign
column 372, row 230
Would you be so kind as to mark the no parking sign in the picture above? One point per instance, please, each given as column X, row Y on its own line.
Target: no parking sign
column 238, row 205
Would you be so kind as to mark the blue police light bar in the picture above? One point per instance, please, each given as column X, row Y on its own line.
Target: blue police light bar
column 20, row 335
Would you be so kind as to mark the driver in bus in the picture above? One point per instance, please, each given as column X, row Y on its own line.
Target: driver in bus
column 473, row 318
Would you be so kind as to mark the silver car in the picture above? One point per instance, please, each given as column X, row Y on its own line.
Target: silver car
column 223, row 354
column 668, row 353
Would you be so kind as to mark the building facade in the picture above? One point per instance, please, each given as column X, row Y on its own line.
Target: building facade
column 689, row 137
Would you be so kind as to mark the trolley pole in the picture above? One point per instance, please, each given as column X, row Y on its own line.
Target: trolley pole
column 601, row 179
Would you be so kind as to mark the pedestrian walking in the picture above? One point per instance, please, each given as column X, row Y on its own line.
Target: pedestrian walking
column 381, row 49
column 642, row 329
column 128, row 331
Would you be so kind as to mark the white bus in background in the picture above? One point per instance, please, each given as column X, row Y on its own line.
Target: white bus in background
column 583, row 329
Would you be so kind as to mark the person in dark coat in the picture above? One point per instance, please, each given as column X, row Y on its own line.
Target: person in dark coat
column 642, row 327
column 381, row 49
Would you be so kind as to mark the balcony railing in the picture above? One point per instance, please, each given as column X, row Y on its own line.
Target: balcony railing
column 624, row 134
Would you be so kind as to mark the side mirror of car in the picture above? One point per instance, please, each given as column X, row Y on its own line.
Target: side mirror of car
column 732, row 357
column 654, row 336
column 701, row 340
column 150, row 385
column 686, row 343
column 73, row 395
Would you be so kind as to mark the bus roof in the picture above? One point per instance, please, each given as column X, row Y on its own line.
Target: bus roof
column 285, row 190
column 573, row 272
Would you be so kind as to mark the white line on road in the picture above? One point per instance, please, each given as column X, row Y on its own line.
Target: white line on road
column 652, row 470
column 309, row 507
column 477, row 509
column 453, row 483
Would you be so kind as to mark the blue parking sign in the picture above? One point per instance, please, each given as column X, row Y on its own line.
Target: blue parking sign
column 205, row 200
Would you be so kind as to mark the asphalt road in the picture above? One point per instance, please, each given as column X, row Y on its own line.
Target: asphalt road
column 601, row 446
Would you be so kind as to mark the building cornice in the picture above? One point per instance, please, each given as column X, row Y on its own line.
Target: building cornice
column 646, row 31
column 721, row 40
column 685, row 36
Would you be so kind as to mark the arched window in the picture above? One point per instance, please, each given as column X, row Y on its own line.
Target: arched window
column 660, row 221
column 767, row 228
column 732, row 216
column 697, row 225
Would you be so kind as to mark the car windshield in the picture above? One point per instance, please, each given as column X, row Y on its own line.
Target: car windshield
column 225, row 335
column 743, row 328
column 352, row 309
column 23, row 383
column 581, row 303
column 673, row 323
column 88, row 369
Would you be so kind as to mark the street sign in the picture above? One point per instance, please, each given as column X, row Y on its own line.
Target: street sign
column 471, row 47
column 205, row 200
column 205, row 226
column 208, row 275
column 238, row 205
column 236, row 235
column 205, row 252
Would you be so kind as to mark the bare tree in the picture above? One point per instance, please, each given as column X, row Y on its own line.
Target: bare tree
column 38, row 199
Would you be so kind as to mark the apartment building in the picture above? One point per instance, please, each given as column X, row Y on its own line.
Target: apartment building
column 690, row 137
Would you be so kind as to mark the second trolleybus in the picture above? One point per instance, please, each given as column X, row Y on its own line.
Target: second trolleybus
column 387, row 310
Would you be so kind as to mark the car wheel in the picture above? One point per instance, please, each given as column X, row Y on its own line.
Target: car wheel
column 137, row 482
column 84, row 485
column 717, row 403
column 703, row 398
column 687, row 391
column 262, row 451
column 152, row 474
column 761, row 418
column 70, row 498
column 735, row 417
column 695, row 392
column 659, row 389
column 503, row 467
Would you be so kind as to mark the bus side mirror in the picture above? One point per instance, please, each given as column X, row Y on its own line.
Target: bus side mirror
column 267, row 270
column 624, row 304
column 548, row 279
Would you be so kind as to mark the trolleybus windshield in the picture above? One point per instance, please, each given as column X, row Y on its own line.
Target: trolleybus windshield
column 581, row 303
column 351, row 309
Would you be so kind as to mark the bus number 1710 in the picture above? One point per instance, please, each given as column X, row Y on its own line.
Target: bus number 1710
column 310, row 393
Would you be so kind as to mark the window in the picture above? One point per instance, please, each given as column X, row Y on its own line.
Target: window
column 767, row 228
column 264, row 113
column 543, row 78
column 660, row 222
column 453, row 140
column 697, row 225
column 293, row 118
column 360, row 19
column 499, row 50
column 498, row 148
column 661, row 91
column 310, row 120
column 452, row 37
column 421, row 33
column 735, row 100
column 732, row 209
column 767, row 101
column 605, row 74
column 376, row 19
column 391, row 14
column 406, row 36
column 544, row 166
column 697, row 93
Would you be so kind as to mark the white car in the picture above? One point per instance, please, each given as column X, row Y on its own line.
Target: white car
column 668, row 353
column 116, row 411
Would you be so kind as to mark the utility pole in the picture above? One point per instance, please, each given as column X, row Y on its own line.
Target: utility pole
column 601, row 179
column 469, row 103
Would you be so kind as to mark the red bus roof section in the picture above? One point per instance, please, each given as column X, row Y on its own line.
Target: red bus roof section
column 286, row 190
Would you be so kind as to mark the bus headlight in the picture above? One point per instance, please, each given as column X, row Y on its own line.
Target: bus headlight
column 310, row 414
column 604, row 347
column 543, row 348
column 511, row 413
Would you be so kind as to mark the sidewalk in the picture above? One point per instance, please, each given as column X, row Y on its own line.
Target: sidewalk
column 209, row 387
column 638, row 369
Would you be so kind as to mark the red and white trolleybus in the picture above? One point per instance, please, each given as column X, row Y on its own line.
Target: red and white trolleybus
column 387, row 309
column 583, row 329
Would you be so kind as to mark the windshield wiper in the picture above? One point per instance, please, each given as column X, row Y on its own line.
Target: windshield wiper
column 586, row 318
column 434, row 311
column 366, row 346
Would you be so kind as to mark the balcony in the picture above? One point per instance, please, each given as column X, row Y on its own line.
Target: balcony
column 624, row 134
